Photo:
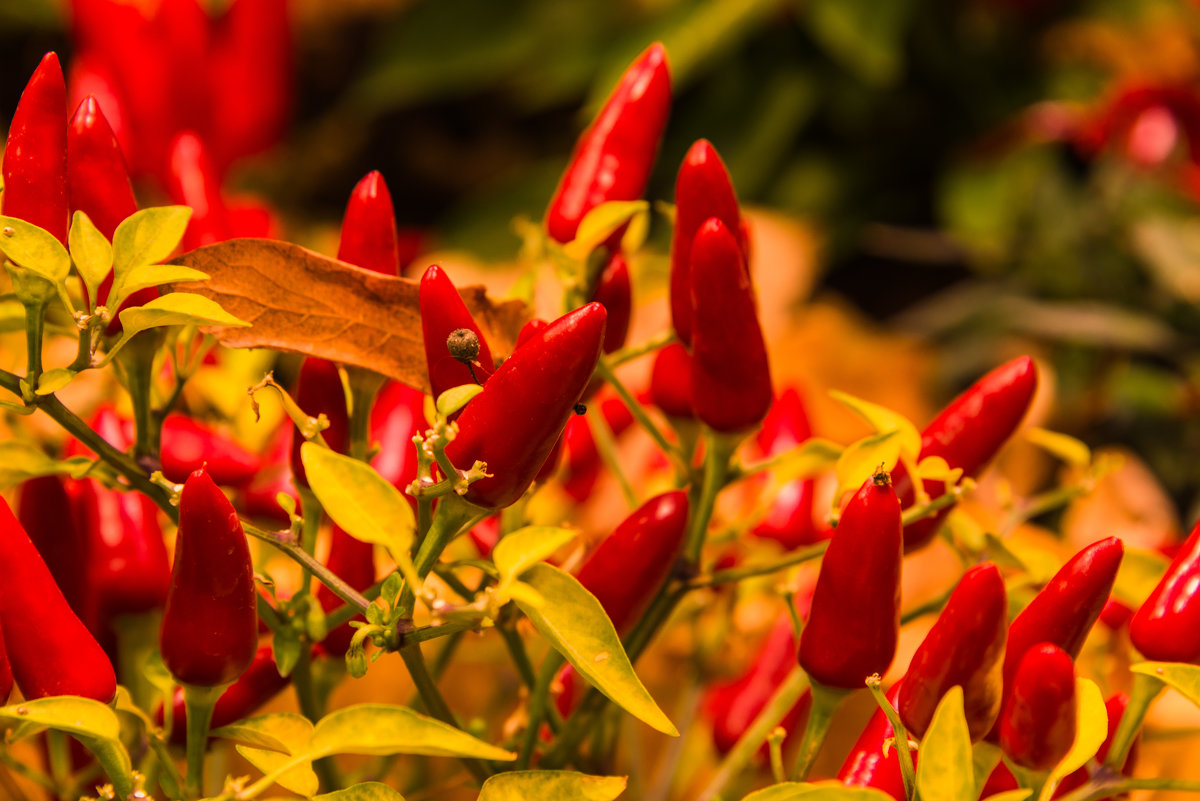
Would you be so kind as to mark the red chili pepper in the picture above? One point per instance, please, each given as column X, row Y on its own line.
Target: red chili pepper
column 968, row 434
column 188, row 445
column 513, row 424
column 258, row 498
column 1116, row 615
column 702, row 190
column 615, row 291
column 790, row 520
column 671, row 382
column 442, row 313
column 369, row 227
column 398, row 414
column 867, row 765
column 181, row 29
column 35, row 158
column 88, row 75
column 97, row 180
column 1037, row 727
column 731, row 379
column 855, row 620
column 530, row 330
column 259, row 684
column 319, row 391
column 1166, row 628
column 485, row 535
column 192, row 180
column 582, row 465
column 965, row 647
column 613, row 158
column 50, row 650
column 210, row 626
column 44, row 509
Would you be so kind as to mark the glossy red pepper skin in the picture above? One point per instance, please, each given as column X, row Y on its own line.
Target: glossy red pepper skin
column 50, row 651
column 44, row 509
column 97, row 179
column 790, row 520
column 210, row 626
column 1037, row 727
column 1166, row 628
column 855, row 620
column 188, row 445
column 671, row 382
column 968, row 433
column 192, row 180
column 582, row 465
column 866, row 765
column 319, row 391
column 702, row 190
column 613, row 158
column 731, row 378
column 369, row 227
column 614, row 290
column 965, row 647
column 442, row 313
column 259, row 684
column 513, row 424
column 35, row 158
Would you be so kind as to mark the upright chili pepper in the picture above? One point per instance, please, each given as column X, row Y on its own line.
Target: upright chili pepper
column 613, row 158
column 1166, row 628
column 44, row 509
column 1037, row 727
column 35, row 158
column 671, row 382
column 855, row 620
column 731, row 379
column 968, row 434
column 790, row 520
column 49, row 648
column 615, row 291
column 871, row 763
column 319, row 391
column 188, row 445
column 442, row 313
column 210, row 626
column 97, row 179
column 702, row 190
column 259, row 684
column 369, row 227
column 192, row 180
column 965, row 647
column 513, row 424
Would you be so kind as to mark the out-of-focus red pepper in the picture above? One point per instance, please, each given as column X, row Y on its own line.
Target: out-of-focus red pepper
column 354, row 562
column 35, row 157
column 258, row 498
column 181, row 28
column 868, row 764
column 702, row 190
column 210, row 626
column 855, row 620
column 259, row 684
column 514, row 423
column 581, row 467
column 97, row 180
column 188, row 445
column 968, row 433
column 731, row 379
column 613, row 158
column 87, row 76
column 319, row 391
column 192, row 180
column 790, row 520
column 49, row 648
column 1037, row 726
column 615, row 291
column 965, row 647
column 369, row 227
column 485, row 535
column 442, row 313
column 1166, row 628
column 398, row 414
column 671, row 382
column 45, row 511
column 1116, row 615
column 531, row 329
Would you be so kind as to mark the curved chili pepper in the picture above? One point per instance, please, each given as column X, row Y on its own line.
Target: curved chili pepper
column 210, row 626
column 192, row 180
column 613, row 158
column 35, row 158
column 790, row 520
column 1037, row 727
column 581, row 467
column 702, row 190
column 731, row 378
column 50, row 650
column 615, row 291
column 442, row 313
column 870, row 762
column 259, row 684
column 671, row 382
column 188, row 445
column 965, row 647
column 855, row 620
column 97, row 179
column 513, row 424
column 44, row 510
column 369, row 227
column 319, row 391
column 968, row 433
column 1166, row 628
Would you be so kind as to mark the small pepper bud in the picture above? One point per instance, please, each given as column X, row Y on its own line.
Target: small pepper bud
column 463, row 345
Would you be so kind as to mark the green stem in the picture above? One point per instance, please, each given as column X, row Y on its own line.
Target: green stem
column 643, row 418
column 286, row 542
column 453, row 516
column 171, row 781
column 1108, row 786
column 59, row 758
column 520, row 657
column 718, row 449
column 798, row 557
column 907, row 771
column 435, row 704
column 617, row 358
column 199, row 703
column 606, row 446
column 35, row 322
column 825, row 701
column 313, row 513
column 312, row 708
column 137, row 363
column 539, row 698
column 1145, row 689
column 115, row 762
column 364, row 386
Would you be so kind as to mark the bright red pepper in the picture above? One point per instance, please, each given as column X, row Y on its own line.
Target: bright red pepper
column 89, row 76
column 1037, row 726
column 45, row 511
column 867, row 765
column 965, row 647
column 181, row 29
column 259, row 684
column 319, row 391
column 210, row 626
column 671, row 382
column 615, row 291
column 369, row 227
column 702, row 190
column 582, row 465
column 35, row 158
column 968, row 433
column 192, row 180
column 513, row 424
column 1166, row 628
column 49, row 648
column 731, row 378
column 613, row 158
column 442, row 313
column 97, row 180
column 790, row 520
column 188, row 445
column 855, row 620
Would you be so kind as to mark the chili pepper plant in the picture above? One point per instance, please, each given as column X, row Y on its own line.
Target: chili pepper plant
column 422, row 497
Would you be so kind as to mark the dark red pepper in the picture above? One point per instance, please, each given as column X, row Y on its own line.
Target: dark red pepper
column 855, row 620
column 50, row 650
column 514, row 423
column 615, row 291
column 210, row 626
column 613, row 158
column 319, row 391
column 442, row 313
column 1037, row 727
column 192, row 180
column 259, row 684
column 35, row 158
column 188, row 445
column 965, row 647
column 731, row 378
column 369, row 227
column 790, row 520
column 1166, row 628
column 671, row 382
column 867, row 765
column 45, row 511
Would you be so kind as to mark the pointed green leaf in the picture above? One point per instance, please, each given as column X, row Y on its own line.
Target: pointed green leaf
column 600, row 223
column 1065, row 447
column 147, row 237
column 1091, row 728
column 177, row 308
column 944, row 770
column 148, row 275
column 69, row 713
column 276, row 732
column 34, row 249
column 92, row 254
column 294, row 732
column 367, row 791
column 551, row 785
column 20, row 460
column 380, row 729
column 1185, row 679
column 985, row 757
column 818, row 791
column 455, row 398
column 522, row 549
column 884, row 420
column 810, row 459
column 54, row 380
column 576, row 625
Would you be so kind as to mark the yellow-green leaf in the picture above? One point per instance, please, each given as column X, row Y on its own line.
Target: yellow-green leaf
column 860, row 461
column 54, row 380
column 522, row 549
column 1091, row 727
column 551, row 785
column 294, row 732
column 1069, row 449
column 817, row 791
column 142, row 276
column 69, row 713
column 936, row 468
column 266, row 732
column 1140, row 572
column 884, row 420
column 576, row 625
column 381, row 730
column 147, row 237
column 366, row 791
column 34, row 249
column 1185, row 679
column 966, row 531
column 91, row 252
column 807, row 460
column 600, row 223
column 944, row 770
column 177, row 308
column 455, row 398
column 1020, row 794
